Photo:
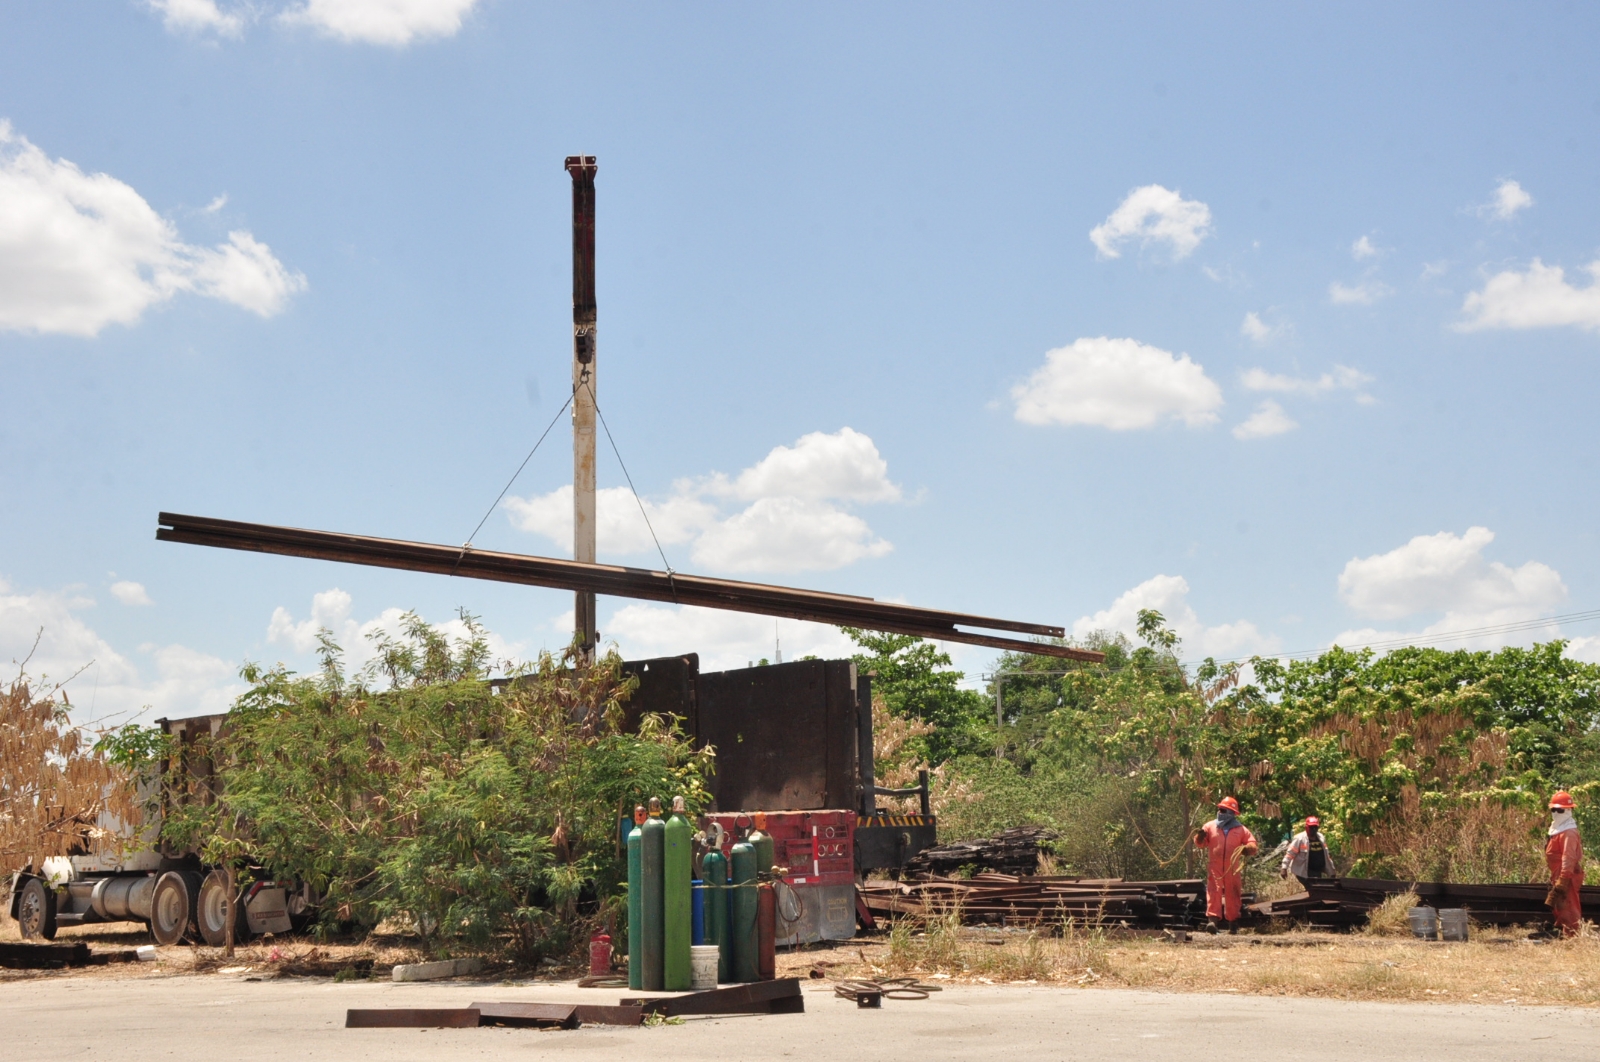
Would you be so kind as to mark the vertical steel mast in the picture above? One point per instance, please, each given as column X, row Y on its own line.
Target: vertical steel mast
column 582, row 168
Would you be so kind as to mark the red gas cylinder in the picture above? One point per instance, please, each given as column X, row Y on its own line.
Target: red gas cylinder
column 600, row 955
column 766, row 931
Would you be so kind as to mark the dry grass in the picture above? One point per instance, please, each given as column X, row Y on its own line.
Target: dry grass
column 1494, row 968
column 1392, row 918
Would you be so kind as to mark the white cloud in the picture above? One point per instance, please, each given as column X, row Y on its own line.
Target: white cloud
column 216, row 204
column 1151, row 214
column 1361, row 293
column 795, row 519
column 1169, row 595
column 170, row 680
column 1363, row 248
column 723, row 639
column 389, row 22
column 198, row 16
column 81, row 251
column 1254, row 328
column 1269, row 419
column 331, row 609
column 1539, row 298
column 1119, row 384
column 1341, row 378
column 130, row 593
column 1447, row 574
column 1509, row 199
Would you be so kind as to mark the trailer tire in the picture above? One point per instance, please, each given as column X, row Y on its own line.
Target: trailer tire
column 36, row 911
column 172, row 908
column 210, row 912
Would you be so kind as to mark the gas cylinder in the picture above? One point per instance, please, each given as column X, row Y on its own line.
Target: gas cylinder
column 652, row 859
column 742, row 913
column 763, row 844
column 766, row 932
column 635, row 898
column 678, row 918
column 714, row 869
column 697, row 913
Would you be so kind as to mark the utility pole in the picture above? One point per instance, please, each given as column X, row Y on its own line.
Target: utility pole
column 584, row 387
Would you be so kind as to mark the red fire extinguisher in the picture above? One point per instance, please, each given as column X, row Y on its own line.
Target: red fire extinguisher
column 600, row 954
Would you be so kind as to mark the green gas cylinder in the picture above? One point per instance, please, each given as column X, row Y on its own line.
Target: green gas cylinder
column 742, row 913
column 762, row 842
column 652, row 860
column 714, row 870
column 679, row 900
column 635, row 903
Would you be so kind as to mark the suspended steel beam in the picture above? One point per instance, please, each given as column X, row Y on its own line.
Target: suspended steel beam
column 614, row 581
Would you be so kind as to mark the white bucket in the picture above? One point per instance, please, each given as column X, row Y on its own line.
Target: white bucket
column 1424, row 922
column 1453, row 923
column 703, row 967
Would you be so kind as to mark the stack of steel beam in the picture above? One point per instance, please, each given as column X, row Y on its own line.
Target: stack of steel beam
column 1345, row 903
column 1026, row 900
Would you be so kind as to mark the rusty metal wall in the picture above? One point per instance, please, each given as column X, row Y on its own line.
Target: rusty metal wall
column 667, row 686
column 785, row 735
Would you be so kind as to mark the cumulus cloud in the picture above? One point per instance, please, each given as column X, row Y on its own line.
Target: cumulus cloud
column 1119, row 384
column 1269, row 419
column 130, row 593
column 395, row 23
column 1169, row 595
column 1447, row 575
column 81, row 251
column 1153, row 214
column 1538, row 298
column 1254, row 328
column 795, row 519
column 1364, row 248
column 1509, row 199
column 723, row 639
column 1343, row 377
column 1361, row 293
column 170, row 680
column 199, row 16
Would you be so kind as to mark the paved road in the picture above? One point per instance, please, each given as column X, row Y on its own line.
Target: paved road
column 224, row 1018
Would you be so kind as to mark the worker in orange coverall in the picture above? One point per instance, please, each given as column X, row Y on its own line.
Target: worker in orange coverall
column 1229, row 844
column 1564, row 853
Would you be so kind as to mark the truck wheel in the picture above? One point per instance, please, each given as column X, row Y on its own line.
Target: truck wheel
column 36, row 911
column 172, row 908
column 210, row 912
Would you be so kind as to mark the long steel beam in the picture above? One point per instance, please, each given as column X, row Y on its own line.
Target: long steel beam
column 611, row 580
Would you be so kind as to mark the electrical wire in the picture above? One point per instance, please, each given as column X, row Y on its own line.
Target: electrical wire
column 468, row 543
column 638, row 500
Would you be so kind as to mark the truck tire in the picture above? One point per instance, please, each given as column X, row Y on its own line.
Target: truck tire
column 210, row 912
column 36, row 911
column 172, row 908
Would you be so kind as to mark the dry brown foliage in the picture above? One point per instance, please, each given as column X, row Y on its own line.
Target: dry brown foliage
column 54, row 788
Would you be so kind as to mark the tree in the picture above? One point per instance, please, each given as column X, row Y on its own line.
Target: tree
column 917, row 680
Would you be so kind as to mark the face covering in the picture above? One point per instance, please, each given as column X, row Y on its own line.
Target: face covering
column 1226, row 820
column 1561, row 819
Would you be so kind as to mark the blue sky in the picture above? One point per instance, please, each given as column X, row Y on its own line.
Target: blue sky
column 1282, row 320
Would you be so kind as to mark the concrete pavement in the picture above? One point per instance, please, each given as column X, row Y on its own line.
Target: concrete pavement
column 224, row 1018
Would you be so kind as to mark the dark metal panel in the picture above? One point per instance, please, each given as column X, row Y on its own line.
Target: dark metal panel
column 769, row 726
column 841, row 737
column 412, row 1018
column 667, row 686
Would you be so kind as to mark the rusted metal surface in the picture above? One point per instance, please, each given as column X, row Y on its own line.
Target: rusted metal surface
column 760, row 997
column 668, row 685
column 413, row 1018
column 613, row 580
column 585, row 387
column 534, row 1015
column 785, row 735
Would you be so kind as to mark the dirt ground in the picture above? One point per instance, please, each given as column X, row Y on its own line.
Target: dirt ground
column 1493, row 969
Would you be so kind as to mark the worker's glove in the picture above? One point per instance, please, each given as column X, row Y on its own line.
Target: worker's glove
column 1558, row 892
column 1199, row 838
column 1283, row 873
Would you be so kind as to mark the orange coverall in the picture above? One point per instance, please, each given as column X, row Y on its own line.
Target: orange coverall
column 1564, row 854
column 1225, row 873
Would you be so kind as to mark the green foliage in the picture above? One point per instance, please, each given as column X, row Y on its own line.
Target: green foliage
column 916, row 680
column 421, row 792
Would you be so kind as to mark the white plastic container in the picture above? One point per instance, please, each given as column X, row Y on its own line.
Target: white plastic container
column 1424, row 922
column 703, row 967
column 1453, row 923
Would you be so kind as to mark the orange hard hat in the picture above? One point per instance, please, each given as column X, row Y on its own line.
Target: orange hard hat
column 1562, row 799
column 1233, row 805
column 1312, row 820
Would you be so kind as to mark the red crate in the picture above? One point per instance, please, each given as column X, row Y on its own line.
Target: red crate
column 818, row 847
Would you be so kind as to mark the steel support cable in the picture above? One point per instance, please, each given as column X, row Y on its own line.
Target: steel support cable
column 495, row 504
column 671, row 574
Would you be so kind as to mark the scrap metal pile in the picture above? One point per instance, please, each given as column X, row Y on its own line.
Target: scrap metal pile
column 1013, row 851
column 1345, row 903
column 1025, row 900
